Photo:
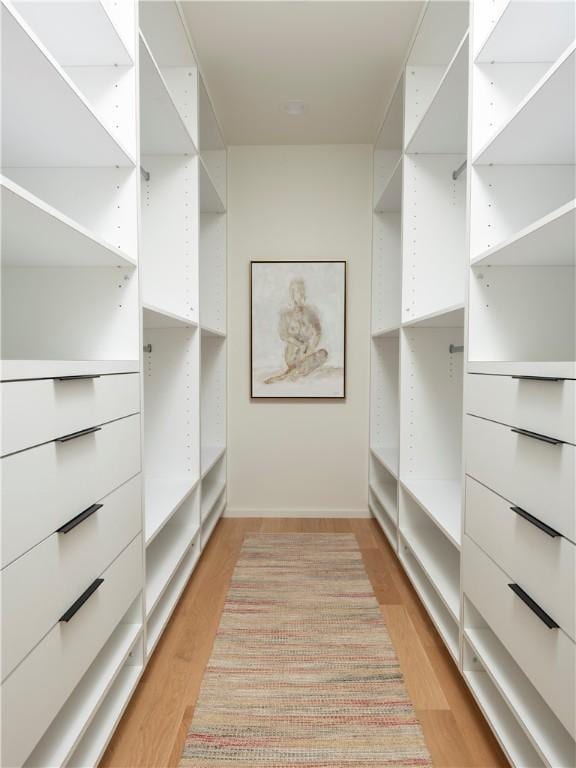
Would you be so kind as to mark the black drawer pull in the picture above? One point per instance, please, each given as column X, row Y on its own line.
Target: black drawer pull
column 538, row 523
column 542, row 615
column 74, row 435
column 537, row 436
column 75, row 607
column 79, row 377
column 538, row 378
column 71, row 524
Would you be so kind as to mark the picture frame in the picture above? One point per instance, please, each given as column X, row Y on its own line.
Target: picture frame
column 298, row 329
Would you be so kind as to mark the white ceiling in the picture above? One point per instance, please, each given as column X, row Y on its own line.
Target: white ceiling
column 341, row 57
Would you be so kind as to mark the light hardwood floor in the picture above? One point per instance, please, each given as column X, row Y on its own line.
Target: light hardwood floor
column 152, row 732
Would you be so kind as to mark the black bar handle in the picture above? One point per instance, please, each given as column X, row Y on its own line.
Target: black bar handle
column 537, row 436
column 75, row 607
column 79, row 377
column 71, row 524
column 74, row 435
column 537, row 523
column 538, row 378
column 534, row 607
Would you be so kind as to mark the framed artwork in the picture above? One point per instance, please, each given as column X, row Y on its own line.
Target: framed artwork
column 298, row 329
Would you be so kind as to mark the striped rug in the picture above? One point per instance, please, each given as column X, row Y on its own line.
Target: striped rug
column 303, row 672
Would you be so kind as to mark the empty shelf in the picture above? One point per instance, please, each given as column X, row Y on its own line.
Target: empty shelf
column 162, row 499
column 209, row 456
column 442, row 502
column 550, row 241
column 155, row 317
column 445, row 317
column 163, row 131
column 47, row 122
column 387, row 455
column 541, row 129
column 391, row 197
column 162, row 561
column 444, row 126
column 34, row 234
column 386, row 494
column 440, row 563
column 210, row 200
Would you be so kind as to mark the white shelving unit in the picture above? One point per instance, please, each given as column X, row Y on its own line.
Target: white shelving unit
column 480, row 283
column 418, row 277
column 136, row 259
column 184, row 308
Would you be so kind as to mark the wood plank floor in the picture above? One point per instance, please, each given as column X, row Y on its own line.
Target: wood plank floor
column 152, row 731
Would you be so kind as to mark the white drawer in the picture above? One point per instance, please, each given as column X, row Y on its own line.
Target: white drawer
column 40, row 410
column 46, row 486
column 544, row 565
column 534, row 475
column 540, row 405
column 37, row 588
column 547, row 656
column 34, row 693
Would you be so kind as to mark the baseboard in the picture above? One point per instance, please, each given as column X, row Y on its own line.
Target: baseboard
column 236, row 512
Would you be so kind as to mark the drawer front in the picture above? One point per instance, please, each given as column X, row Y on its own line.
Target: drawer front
column 46, row 486
column 541, row 406
column 39, row 587
column 38, row 688
column 547, row 656
column 40, row 410
column 543, row 565
column 534, row 475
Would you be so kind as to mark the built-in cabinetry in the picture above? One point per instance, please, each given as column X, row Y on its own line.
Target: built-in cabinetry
column 473, row 355
column 113, row 359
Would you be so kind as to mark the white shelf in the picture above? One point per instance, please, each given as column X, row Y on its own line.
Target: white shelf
column 436, row 558
column 387, row 455
column 391, row 197
column 209, row 456
column 531, row 135
column 156, row 317
column 160, row 617
column 101, row 729
column 162, row 561
column 208, row 502
column 562, row 370
column 510, row 735
column 212, row 519
column 15, row 370
column 529, row 32
column 210, row 200
column 162, row 498
column 386, row 496
column 66, row 731
column 442, row 502
column 444, row 125
column 387, row 525
column 97, row 42
column 445, row 317
column 162, row 129
column 47, row 122
column 543, row 729
column 206, row 331
column 443, row 621
column 393, row 331
column 550, row 241
column 34, row 234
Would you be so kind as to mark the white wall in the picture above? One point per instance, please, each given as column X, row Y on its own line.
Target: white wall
column 300, row 203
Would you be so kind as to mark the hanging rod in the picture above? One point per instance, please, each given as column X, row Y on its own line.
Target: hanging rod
column 145, row 174
column 453, row 348
column 458, row 171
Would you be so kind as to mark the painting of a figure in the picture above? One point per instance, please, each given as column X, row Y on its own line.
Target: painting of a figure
column 298, row 325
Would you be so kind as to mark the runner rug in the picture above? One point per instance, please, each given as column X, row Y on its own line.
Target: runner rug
column 303, row 672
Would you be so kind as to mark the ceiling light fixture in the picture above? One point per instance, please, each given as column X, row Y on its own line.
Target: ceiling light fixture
column 294, row 108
